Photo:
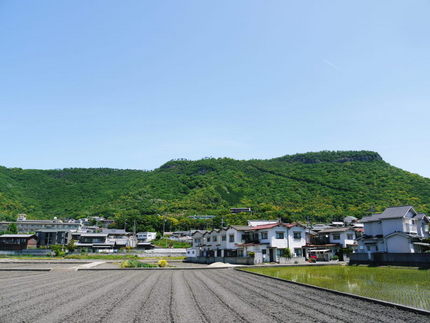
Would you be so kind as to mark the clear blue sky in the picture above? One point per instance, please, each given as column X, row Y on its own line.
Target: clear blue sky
column 133, row 84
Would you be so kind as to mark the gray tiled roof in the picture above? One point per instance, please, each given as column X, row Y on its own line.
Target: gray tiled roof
column 396, row 212
column 16, row 235
column 342, row 229
column 389, row 213
column 241, row 227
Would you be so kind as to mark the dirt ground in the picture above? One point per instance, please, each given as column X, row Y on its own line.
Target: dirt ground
column 216, row 295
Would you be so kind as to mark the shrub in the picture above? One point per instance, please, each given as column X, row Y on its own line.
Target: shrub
column 71, row 246
column 135, row 264
column 251, row 254
column 335, row 258
column 58, row 250
column 162, row 263
column 286, row 253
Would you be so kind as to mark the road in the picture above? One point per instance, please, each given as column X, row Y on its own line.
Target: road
column 216, row 295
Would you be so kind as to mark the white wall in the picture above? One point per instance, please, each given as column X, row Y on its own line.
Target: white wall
column 343, row 239
column 372, row 228
column 392, row 225
column 398, row 244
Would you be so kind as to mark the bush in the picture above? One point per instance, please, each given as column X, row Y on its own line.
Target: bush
column 286, row 253
column 71, row 246
column 58, row 250
column 162, row 263
column 251, row 254
column 135, row 264
column 335, row 258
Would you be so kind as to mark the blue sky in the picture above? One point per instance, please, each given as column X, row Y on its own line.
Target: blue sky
column 133, row 84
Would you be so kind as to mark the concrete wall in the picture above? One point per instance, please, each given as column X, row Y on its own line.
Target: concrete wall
column 392, row 225
column 33, row 252
column 401, row 259
column 372, row 228
column 230, row 260
column 399, row 244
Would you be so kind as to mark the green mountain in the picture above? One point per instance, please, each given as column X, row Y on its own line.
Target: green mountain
column 321, row 186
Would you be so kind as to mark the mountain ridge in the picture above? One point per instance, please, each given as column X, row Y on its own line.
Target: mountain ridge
column 321, row 186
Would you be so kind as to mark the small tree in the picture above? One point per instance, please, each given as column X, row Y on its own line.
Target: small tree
column 58, row 250
column 12, row 228
column 287, row 253
column 71, row 246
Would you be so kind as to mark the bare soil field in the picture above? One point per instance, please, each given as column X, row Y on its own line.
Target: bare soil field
column 223, row 295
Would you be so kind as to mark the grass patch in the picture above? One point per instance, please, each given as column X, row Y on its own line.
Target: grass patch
column 167, row 243
column 407, row 286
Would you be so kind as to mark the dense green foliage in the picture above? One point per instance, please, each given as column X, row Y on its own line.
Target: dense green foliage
column 321, row 186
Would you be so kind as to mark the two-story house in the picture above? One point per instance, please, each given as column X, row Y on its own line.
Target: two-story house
column 265, row 242
column 396, row 230
column 345, row 237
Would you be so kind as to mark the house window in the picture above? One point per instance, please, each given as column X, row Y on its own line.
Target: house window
column 297, row 235
column 224, row 237
column 215, row 239
column 208, row 239
column 336, row 236
column 350, row 236
column 231, row 238
column 263, row 235
column 298, row 252
column 279, row 235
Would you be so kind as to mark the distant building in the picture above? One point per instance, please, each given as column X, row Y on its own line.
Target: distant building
column 345, row 237
column 17, row 241
column 53, row 237
column 24, row 225
column 144, row 239
column 107, row 240
column 241, row 210
column 396, row 230
column 248, row 244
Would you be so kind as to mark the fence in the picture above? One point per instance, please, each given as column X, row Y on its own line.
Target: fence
column 400, row 259
column 230, row 260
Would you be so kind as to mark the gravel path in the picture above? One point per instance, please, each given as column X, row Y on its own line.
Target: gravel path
column 223, row 295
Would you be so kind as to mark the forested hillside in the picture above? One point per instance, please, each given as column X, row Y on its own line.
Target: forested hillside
column 322, row 186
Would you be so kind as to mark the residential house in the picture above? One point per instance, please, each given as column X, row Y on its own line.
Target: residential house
column 53, row 237
column 396, row 230
column 24, row 225
column 94, row 241
column 264, row 243
column 18, row 241
column 120, row 238
column 144, row 239
column 345, row 237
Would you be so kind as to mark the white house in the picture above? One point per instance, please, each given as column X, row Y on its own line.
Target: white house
column 345, row 236
column 266, row 242
column 396, row 230
column 146, row 236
